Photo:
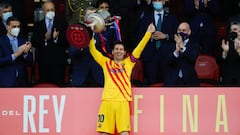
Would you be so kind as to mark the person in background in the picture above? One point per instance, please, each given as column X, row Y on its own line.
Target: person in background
column 105, row 39
column 74, row 10
column 230, row 57
column 114, row 109
column 85, row 71
column 181, row 61
column 154, row 55
column 15, row 56
column 102, row 5
column 50, row 41
column 201, row 15
column 5, row 13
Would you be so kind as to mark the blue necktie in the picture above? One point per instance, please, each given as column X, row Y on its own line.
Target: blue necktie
column 159, row 27
column 14, row 44
column 49, row 25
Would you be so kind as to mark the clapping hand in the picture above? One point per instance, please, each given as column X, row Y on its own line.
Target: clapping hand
column 225, row 45
column 55, row 33
column 151, row 28
column 179, row 42
column 237, row 45
column 28, row 46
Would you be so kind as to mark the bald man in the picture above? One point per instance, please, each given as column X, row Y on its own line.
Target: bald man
column 49, row 39
column 181, row 60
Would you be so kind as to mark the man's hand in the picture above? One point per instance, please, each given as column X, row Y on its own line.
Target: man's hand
column 205, row 3
column 158, row 35
column 237, row 45
column 151, row 28
column 179, row 42
column 28, row 46
column 55, row 33
column 225, row 47
column 47, row 35
column 196, row 3
column 20, row 50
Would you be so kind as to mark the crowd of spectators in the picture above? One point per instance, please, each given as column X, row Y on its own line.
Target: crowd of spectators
column 185, row 29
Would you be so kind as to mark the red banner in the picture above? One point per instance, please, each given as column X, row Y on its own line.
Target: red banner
column 163, row 111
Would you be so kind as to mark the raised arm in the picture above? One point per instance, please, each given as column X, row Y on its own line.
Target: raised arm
column 95, row 53
column 141, row 45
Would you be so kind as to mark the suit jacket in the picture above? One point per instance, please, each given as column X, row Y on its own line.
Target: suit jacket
column 83, row 63
column 3, row 30
column 231, row 66
column 84, row 66
column 185, row 62
column 169, row 26
column 13, row 73
column 51, row 55
column 203, row 18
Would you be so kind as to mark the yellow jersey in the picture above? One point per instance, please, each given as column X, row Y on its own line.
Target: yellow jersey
column 117, row 76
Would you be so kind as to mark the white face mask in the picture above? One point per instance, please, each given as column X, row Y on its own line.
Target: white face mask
column 6, row 15
column 15, row 31
column 50, row 15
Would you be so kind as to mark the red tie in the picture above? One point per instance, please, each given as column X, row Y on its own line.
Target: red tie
column 103, row 45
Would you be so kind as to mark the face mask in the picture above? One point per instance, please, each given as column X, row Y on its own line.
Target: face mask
column 232, row 35
column 50, row 15
column 158, row 6
column 15, row 31
column 6, row 15
column 184, row 35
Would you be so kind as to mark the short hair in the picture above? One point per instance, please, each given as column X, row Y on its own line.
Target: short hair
column 12, row 18
column 99, row 2
column 118, row 42
column 5, row 4
column 48, row 1
column 235, row 23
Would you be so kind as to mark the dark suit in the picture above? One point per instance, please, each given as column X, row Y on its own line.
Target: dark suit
column 51, row 55
column 202, row 23
column 85, row 70
column 13, row 73
column 186, row 63
column 3, row 30
column 231, row 66
column 85, row 67
column 154, row 59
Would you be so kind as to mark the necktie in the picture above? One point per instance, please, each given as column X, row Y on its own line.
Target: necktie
column 49, row 25
column 14, row 44
column 180, row 74
column 159, row 27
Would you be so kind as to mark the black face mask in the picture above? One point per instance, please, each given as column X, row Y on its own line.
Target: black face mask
column 183, row 35
column 232, row 35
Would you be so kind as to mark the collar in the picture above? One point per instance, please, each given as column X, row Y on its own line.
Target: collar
column 185, row 41
column 5, row 23
column 11, row 37
column 48, row 20
column 156, row 12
